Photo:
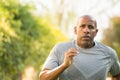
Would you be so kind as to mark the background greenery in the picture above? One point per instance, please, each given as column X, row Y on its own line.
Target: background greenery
column 26, row 39
column 112, row 34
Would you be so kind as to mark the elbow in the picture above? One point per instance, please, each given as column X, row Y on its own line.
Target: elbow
column 42, row 76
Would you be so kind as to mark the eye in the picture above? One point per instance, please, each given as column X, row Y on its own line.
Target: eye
column 91, row 26
column 82, row 26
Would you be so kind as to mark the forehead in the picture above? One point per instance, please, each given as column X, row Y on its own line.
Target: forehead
column 86, row 20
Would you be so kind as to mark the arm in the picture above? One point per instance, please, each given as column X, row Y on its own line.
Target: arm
column 47, row 74
column 115, row 68
column 116, row 77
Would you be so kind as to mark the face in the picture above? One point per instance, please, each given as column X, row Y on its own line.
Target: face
column 85, row 31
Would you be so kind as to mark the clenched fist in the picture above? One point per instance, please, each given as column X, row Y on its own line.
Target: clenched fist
column 68, row 60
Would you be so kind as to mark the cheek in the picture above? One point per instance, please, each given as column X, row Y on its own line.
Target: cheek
column 79, row 33
column 93, row 34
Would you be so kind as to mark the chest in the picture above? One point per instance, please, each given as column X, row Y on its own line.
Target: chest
column 90, row 66
column 92, row 63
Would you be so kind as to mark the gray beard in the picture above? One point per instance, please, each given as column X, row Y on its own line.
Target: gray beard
column 86, row 44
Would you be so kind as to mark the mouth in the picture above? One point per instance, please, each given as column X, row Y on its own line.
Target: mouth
column 86, row 38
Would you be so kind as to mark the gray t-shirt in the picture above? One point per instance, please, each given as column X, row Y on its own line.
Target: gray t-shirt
column 89, row 64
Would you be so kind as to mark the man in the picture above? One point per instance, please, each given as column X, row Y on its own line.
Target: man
column 83, row 58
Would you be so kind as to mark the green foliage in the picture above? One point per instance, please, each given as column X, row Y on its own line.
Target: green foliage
column 25, row 39
column 112, row 34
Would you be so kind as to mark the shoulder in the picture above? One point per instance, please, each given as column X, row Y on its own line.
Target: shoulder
column 103, row 46
column 107, row 49
column 63, row 45
column 60, row 48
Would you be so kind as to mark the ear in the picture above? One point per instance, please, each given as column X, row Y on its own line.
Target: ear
column 96, row 32
column 75, row 30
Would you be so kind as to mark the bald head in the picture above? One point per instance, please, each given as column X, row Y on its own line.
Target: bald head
column 87, row 17
column 86, row 30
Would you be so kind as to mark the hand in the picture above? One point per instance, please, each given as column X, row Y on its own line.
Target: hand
column 68, row 60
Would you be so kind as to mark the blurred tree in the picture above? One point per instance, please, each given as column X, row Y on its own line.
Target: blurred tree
column 112, row 34
column 63, row 13
column 25, row 39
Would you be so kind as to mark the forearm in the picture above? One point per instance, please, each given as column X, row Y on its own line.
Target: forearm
column 52, row 74
column 116, row 77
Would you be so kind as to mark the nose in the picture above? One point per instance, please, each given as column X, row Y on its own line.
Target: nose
column 86, row 29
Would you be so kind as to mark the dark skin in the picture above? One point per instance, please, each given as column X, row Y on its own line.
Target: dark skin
column 117, row 77
column 85, row 31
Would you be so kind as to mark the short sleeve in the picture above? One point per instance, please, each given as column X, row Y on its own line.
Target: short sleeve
column 52, row 60
column 115, row 68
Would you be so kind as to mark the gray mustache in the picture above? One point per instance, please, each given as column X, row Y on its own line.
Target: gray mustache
column 86, row 37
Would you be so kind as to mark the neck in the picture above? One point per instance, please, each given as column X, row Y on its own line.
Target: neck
column 85, row 45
